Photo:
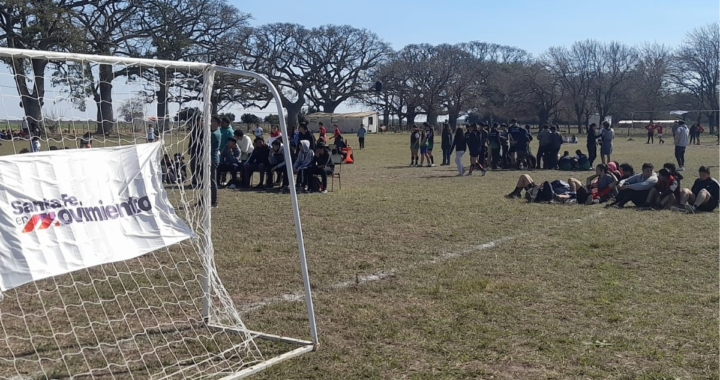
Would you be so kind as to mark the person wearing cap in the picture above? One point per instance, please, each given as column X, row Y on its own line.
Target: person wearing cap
column 703, row 196
column 681, row 142
column 229, row 162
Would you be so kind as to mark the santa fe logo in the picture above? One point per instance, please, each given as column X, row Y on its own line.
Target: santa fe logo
column 41, row 215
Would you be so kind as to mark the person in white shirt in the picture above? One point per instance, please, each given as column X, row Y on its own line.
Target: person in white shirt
column 151, row 135
column 25, row 127
column 258, row 132
column 607, row 135
column 35, row 144
column 244, row 143
column 681, row 142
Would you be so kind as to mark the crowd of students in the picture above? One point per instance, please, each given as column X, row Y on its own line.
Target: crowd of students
column 617, row 185
column 240, row 156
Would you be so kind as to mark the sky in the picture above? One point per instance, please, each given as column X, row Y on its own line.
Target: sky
column 531, row 25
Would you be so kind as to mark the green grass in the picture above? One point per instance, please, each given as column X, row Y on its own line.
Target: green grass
column 565, row 292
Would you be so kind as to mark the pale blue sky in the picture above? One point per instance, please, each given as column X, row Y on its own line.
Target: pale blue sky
column 530, row 25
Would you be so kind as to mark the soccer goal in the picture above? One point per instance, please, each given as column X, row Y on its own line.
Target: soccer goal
column 107, row 262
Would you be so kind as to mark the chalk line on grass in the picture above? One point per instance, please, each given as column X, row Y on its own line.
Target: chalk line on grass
column 361, row 279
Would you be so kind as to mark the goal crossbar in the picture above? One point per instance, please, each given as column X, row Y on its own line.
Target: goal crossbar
column 209, row 72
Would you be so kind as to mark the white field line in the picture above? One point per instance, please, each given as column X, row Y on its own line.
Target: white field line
column 361, row 279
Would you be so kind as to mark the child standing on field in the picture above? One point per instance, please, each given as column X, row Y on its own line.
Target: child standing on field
column 151, row 135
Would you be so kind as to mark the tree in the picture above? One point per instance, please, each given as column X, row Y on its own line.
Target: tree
column 35, row 25
column 272, row 119
column 574, row 69
column 112, row 27
column 132, row 109
column 650, row 78
column 612, row 65
column 342, row 58
column 279, row 52
column 229, row 115
column 249, row 119
column 696, row 67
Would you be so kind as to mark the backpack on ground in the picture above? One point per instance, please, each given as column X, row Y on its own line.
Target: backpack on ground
column 315, row 185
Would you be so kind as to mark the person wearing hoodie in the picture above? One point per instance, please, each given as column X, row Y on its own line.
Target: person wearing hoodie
column 277, row 165
column 636, row 188
column 229, row 162
column 302, row 163
column 681, row 142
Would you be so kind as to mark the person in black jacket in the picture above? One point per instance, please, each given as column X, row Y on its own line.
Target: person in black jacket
column 305, row 134
column 592, row 143
column 460, row 144
column 494, row 141
column 703, row 196
column 277, row 165
column 257, row 162
column 446, row 144
column 322, row 165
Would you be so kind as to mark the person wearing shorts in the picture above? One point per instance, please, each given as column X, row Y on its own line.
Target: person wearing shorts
column 414, row 145
column 704, row 195
column 607, row 135
column 424, row 148
column 429, row 140
column 659, row 129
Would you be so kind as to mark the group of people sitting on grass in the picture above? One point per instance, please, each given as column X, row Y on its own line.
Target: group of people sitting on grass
column 617, row 185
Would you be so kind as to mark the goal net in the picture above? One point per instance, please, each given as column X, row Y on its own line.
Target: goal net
column 136, row 302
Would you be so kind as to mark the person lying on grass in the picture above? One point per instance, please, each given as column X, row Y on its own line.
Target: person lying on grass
column 636, row 188
column 703, row 196
column 544, row 192
column 599, row 188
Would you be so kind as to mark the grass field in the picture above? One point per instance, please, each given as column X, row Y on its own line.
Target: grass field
column 420, row 274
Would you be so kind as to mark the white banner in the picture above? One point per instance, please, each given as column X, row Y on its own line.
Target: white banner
column 66, row 210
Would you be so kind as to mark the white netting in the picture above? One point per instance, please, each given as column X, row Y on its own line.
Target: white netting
column 141, row 318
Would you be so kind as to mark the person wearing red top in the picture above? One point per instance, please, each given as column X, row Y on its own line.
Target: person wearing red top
column 659, row 129
column 664, row 193
column 650, row 131
column 323, row 131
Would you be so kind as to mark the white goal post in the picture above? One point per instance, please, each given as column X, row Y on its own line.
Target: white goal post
column 174, row 342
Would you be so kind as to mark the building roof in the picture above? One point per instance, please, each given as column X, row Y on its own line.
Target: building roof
column 647, row 121
column 342, row 115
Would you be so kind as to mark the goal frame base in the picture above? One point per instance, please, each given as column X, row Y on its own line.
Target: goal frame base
column 306, row 346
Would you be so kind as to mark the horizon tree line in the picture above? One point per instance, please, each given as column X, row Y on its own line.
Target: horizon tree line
column 321, row 68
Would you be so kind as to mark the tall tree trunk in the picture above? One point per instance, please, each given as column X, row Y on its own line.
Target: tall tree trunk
column 103, row 99
column 411, row 118
column 162, row 98
column 432, row 118
column 452, row 119
column 293, row 113
column 31, row 101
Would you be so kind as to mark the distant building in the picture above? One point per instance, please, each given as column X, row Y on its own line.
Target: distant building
column 347, row 122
